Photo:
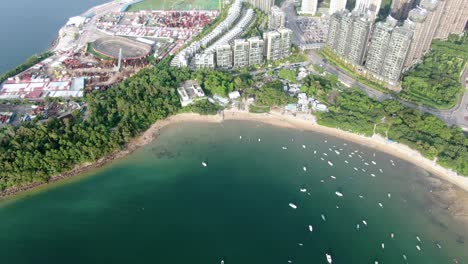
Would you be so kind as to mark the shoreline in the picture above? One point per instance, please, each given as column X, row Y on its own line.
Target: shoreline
column 302, row 122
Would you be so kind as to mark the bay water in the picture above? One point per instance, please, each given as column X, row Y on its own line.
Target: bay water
column 161, row 205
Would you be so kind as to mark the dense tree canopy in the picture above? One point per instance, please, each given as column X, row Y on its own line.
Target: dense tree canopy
column 436, row 81
column 33, row 152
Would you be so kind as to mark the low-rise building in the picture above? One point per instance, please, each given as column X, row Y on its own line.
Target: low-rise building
column 190, row 92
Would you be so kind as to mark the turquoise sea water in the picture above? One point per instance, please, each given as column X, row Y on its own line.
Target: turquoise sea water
column 160, row 205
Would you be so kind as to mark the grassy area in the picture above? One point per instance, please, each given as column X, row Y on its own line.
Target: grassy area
column 259, row 109
column 91, row 50
column 435, row 82
column 174, row 4
column 349, row 69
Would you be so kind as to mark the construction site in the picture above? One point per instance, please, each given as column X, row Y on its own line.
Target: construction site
column 93, row 51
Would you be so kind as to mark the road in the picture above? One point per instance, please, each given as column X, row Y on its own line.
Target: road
column 457, row 116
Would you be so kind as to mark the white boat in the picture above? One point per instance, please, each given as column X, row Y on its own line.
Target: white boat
column 304, row 168
column 330, row 163
column 383, row 246
column 419, row 239
column 329, row 258
column 204, row 164
column 404, row 257
column 322, row 158
column 325, row 154
column 346, row 161
column 365, row 163
column 303, row 146
column 293, row 206
column 338, row 194
column 381, row 205
column 303, row 190
column 373, row 162
column 323, row 217
column 356, row 169
column 337, row 152
column 364, row 222
column 222, row 261
column 438, row 245
column 360, row 196
column 357, row 226
column 240, row 137
column 284, row 148
column 389, row 195
column 300, row 244
column 392, row 235
column 333, row 177
column 418, row 247
column 311, row 228
column 372, row 174
column 315, row 152
column 259, row 139
column 381, row 171
column 350, row 156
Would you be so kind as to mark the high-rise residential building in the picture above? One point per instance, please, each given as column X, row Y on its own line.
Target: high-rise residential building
column 334, row 29
column 241, row 53
column 272, row 45
column 344, row 34
column 388, row 49
column 224, row 56
column 276, row 18
column 359, row 37
column 425, row 18
column 264, row 5
column 454, row 18
column 348, row 35
column 396, row 53
column 368, row 7
column 378, row 46
column 286, row 36
column 256, row 47
column 309, row 7
column 337, row 6
column 400, row 8
column 204, row 60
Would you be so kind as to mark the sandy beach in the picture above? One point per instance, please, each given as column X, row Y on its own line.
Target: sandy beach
column 454, row 200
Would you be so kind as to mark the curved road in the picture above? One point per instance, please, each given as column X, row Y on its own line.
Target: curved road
column 456, row 116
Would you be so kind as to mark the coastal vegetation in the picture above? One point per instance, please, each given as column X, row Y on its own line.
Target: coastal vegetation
column 435, row 82
column 352, row 110
column 31, row 61
column 289, row 75
column 335, row 60
column 35, row 151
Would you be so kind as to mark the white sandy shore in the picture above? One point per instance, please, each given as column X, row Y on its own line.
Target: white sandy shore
column 307, row 122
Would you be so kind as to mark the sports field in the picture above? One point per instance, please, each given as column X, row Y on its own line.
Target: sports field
column 174, row 5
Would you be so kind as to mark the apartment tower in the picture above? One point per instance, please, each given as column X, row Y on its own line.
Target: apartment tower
column 336, row 6
column 454, row 18
column 276, row 19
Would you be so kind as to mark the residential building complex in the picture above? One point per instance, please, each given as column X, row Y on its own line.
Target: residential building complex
column 276, row 18
column 454, row 18
column 336, row 6
column 388, row 49
column 349, row 34
column 204, row 60
column 241, row 53
column 368, row 7
column 400, row 8
column 277, row 44
column 309, row 7
column 264, row 5
column 426, row 19
column 256, row 47
column 224, row 56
